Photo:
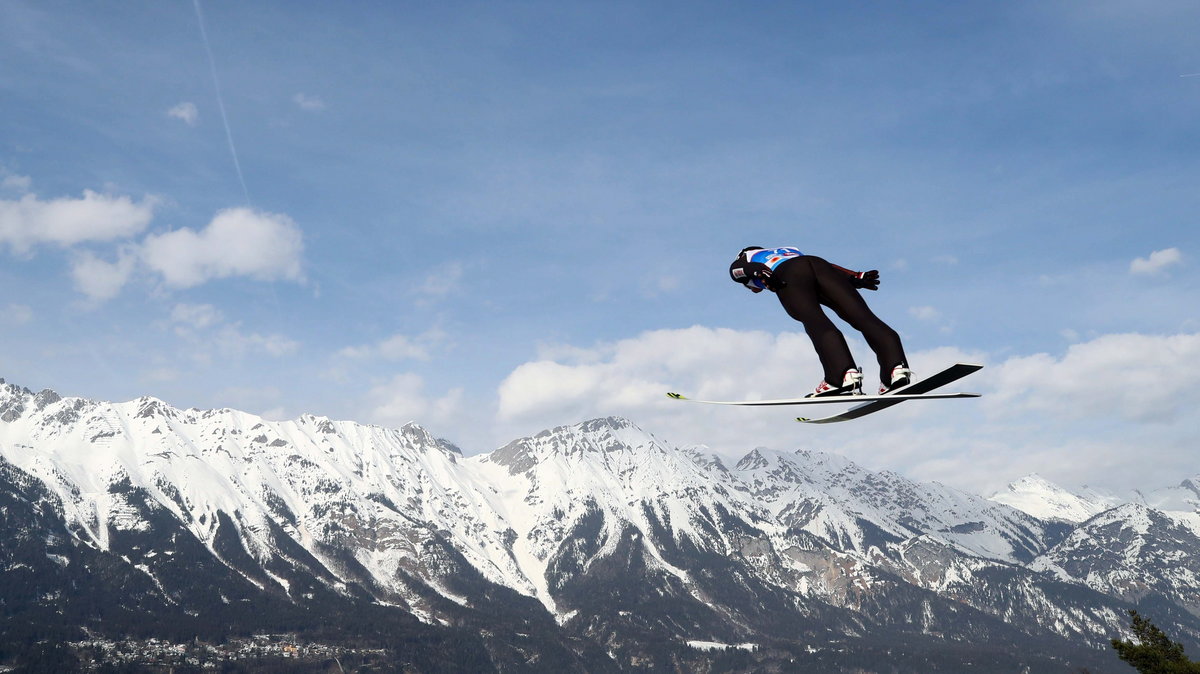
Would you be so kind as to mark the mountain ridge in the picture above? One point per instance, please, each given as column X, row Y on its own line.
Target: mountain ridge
column 623, row 547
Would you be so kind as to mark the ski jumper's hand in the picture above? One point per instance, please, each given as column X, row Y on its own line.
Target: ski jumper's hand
column 861, row 279
column 867, row 279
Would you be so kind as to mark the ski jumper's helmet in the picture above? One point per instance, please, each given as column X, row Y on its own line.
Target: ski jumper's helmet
column 741, row 270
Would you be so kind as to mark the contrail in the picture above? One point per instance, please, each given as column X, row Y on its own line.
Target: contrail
column 1191, row 75
column 212, row 65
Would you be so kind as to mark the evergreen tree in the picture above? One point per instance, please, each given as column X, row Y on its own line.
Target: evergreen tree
column 1152, row 652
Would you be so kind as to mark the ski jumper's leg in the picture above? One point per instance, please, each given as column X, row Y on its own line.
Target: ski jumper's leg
column 800, row 297
column 838, row 293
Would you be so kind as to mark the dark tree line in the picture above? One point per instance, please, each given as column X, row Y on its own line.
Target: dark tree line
column 1152, row 652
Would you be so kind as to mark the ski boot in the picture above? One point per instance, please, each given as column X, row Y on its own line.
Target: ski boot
column 901, row 376
column 851, row 385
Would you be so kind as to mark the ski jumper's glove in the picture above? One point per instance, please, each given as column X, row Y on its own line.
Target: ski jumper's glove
column 867, row 279
column 861, row 279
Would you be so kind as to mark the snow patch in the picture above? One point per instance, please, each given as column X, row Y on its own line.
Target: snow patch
column 717, row 645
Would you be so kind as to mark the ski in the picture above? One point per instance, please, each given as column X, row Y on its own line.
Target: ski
column 919, row 389
column 826, row 399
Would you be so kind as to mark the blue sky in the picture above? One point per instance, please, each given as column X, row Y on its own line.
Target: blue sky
column 495, row 217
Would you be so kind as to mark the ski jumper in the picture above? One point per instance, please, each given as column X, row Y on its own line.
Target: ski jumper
column 803, row 284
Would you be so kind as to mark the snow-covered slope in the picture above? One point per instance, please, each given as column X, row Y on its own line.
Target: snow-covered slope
column 856, row 509
column 1133, row 552
column 607, row 476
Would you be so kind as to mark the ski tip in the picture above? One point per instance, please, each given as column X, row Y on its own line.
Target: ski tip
column 676, row 396
column 803, row 419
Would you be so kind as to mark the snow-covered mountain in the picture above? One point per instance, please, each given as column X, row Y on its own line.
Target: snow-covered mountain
column 1041, row 498
column 1045, row 500
column 1133, row 552
column 591, row 547
column 852, row 508
column 1183, row 497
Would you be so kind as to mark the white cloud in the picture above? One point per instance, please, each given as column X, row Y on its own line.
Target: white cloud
column 634, row 374
column 401, row 347
column 545, row 386
column 310, row 103
column 656, row 285
column 443, row 280
column 204, row 325
column 159, row 375
column 1113, row 411
column 233, row 342
column 29, row 221
column 1157, row 262
column 929, row 314
column 197, row 316
column 631, row 378
column 17, row 314
column 238, row 242
column 397, row 347
column 185, row 112
column 924, row 313
column 16, row 183
column 402, row 399
column 101, row 280
column 1133, row 377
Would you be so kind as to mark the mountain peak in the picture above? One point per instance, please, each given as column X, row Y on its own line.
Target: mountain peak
column 754, row 460
column 603, row 434
column 802, row 460
column 419, row 436
column 604, row 424
column 150, row 407
column 1037, row 496
column 45, row 397
column 703, row 457
column 14, row 400
column 1032, row 481
column 602, row 437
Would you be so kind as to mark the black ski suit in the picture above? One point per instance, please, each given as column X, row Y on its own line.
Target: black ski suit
column 803, row 284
